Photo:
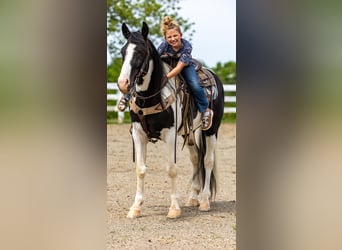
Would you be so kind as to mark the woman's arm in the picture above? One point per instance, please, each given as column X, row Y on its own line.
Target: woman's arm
column 176, row 70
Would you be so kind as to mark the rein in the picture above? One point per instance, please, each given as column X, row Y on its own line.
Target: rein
column 140, row 97
column 157, row 108
column 144, row 67
column 135, row 96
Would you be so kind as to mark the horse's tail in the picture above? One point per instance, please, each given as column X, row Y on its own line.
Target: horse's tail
column 202, row 151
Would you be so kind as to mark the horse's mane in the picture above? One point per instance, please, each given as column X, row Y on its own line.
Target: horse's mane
column 158, row 65
column 158, row 70
column 136, row 37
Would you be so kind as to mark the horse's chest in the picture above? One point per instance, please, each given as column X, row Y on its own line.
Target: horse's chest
column 153, row 124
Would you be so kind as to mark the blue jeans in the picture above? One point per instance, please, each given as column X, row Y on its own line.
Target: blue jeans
column 196, row 89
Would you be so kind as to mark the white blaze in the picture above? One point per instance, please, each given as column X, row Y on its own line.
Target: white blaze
column 126, row 66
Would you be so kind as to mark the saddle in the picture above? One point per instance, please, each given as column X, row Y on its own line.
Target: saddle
column 204, row 74
column 206, row 80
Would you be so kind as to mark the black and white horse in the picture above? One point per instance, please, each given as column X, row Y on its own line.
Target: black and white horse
column 157, row 114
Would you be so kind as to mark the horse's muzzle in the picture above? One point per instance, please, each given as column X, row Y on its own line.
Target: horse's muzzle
column 124, row 85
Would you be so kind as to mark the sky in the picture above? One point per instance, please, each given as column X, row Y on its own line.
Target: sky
column 215, row 29
column 214, row 39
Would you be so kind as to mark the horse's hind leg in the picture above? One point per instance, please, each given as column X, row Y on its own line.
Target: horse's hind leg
column 209, row 163
column 140, row 142
column 195, row 184
column 171, row 168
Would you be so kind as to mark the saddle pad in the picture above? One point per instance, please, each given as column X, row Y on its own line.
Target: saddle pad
column 205, row 77
column 207, row 80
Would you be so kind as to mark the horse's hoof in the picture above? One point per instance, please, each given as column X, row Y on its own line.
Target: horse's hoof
column 204, row 207
column 134, row 213
column 192, row 203
column 173, row 213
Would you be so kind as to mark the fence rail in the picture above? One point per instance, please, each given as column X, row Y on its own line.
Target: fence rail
column 117, row 95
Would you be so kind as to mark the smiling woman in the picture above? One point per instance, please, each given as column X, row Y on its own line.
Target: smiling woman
column 180, row 49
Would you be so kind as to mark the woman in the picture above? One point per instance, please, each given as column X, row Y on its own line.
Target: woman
column 175, row 45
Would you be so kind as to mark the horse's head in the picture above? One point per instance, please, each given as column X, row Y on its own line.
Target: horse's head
column 135, row 56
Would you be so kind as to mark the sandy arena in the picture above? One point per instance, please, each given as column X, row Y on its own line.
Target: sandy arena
column 215, row 229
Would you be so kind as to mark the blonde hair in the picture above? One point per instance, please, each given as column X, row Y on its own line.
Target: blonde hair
column 168, row 23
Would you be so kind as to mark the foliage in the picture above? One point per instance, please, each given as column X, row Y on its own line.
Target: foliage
column 134, row 12
column 226, row 72
column 113, row 70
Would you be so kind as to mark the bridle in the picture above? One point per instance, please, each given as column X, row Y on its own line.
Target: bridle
column 142, row 72
column 144, row 67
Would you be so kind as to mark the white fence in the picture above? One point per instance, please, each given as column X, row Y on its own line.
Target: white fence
column 117, row 95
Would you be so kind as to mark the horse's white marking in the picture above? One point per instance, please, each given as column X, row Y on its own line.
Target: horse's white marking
column 140, row 141
column 209, row 160
column 126, row 66
column 195, row 185
column 170, row 88
column 146, row 78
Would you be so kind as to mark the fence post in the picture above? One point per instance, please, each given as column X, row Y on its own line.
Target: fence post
column 121, row 117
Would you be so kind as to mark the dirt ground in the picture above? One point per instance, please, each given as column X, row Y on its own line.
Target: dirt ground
column 215, row 229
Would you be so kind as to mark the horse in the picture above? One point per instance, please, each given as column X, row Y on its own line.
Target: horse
column 156, row 111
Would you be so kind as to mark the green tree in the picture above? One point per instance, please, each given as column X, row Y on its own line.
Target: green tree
column 113, row 70
column 134, row 12
column 226, row 72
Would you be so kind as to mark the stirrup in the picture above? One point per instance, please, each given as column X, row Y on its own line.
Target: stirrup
column 207, row 119
column 122, row 104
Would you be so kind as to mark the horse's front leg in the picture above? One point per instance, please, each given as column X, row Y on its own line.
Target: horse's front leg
column 140, row 142
column 171, row 168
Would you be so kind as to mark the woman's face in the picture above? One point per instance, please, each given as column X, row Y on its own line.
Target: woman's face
column 173, row 37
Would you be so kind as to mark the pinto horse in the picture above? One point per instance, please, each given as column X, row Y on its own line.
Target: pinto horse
column 156, row 110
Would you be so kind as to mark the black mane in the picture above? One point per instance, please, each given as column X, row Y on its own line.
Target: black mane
column 158, row 73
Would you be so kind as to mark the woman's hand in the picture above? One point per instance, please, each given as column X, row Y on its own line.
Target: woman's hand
column 176, row 70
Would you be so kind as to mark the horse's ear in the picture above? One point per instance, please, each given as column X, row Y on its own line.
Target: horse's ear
column 144, row 30
column 125, row 31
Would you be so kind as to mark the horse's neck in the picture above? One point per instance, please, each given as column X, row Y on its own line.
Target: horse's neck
column 153, row 80
column 172, row 84
column 174, row 81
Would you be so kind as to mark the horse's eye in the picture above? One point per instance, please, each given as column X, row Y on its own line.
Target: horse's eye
column 123, row 52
